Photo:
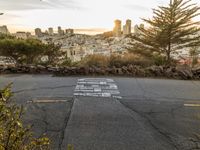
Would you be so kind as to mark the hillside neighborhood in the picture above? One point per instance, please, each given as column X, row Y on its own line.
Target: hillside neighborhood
column 77, row 46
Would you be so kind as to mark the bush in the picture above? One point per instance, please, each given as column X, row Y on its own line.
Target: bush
column 159, row 60
column 66, row 62
column 115, row 60
column 94, row 60
column 137, row 60
column 13, row 134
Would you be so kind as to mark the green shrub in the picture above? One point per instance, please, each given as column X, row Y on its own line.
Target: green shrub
column 13, row 134
column 159, row 60
column 66, row 62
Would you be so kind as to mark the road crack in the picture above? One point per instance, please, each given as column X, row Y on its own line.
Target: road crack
column 158, row 130
column 62, row 131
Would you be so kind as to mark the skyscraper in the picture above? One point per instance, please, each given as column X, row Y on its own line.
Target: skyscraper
column 38, row 32
column 60, row 31
column 127, row 27
column 50, row 31
column 117, row 31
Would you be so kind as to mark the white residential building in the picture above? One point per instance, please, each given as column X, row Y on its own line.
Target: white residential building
column 22, row 35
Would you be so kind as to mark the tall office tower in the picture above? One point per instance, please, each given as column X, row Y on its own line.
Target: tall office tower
column 127, row 27
column 50, row 31
column 38, row 32
column 60, row 31
column 128, row 23
column 4, row 30
column 117, row 31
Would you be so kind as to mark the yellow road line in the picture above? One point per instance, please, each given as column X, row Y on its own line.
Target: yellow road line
column 47, row 101
column 192, row 105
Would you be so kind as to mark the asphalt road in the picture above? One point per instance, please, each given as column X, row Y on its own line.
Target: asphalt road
column 110, row 113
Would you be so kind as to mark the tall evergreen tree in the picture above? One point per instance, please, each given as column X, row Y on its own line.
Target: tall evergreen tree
column 171, row 29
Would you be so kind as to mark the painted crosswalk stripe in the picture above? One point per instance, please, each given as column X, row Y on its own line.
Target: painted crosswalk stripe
column 97, row 87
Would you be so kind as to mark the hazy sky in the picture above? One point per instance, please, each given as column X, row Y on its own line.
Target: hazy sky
column 81, row 14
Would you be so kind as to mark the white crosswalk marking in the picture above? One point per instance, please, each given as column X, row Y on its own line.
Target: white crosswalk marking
column 97, row 87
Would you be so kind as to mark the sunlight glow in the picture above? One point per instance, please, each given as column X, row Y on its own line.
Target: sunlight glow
column 29, row 14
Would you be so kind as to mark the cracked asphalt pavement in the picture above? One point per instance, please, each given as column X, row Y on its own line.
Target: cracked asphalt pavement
column 148, row 114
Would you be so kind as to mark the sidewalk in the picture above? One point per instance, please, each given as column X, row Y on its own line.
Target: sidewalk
column 105, row 124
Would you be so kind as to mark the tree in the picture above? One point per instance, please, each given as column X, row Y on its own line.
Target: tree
column 23, row 51
column 194, row 54
column 171, row 29
column 13, row 134
column 53, row 52
column 31, row 50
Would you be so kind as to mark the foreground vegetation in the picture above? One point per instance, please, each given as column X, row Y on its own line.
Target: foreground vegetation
column 14, row 135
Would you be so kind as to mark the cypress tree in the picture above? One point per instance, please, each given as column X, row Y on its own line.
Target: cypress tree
column 171, row 29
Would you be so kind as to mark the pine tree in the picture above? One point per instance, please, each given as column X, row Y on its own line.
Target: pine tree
column 171, row 29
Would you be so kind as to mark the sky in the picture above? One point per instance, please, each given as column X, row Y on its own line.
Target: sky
column 87, row 16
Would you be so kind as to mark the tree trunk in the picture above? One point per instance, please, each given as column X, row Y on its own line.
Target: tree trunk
column 168, row 53
column 168, row 58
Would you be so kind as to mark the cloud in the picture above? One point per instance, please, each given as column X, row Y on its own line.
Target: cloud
column 11, row 15
column 136, row 7
column 90, row 31
column 18, row 5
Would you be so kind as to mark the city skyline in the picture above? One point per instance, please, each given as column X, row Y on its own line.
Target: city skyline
column 90, row 16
